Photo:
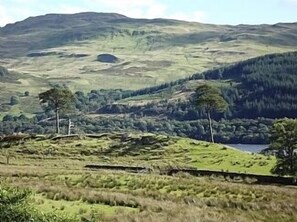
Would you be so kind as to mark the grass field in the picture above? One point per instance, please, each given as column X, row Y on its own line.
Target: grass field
column 54, row 169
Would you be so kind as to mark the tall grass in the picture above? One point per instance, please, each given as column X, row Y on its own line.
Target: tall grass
column 59, row 178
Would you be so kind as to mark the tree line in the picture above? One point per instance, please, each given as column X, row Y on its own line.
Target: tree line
column 260, row 88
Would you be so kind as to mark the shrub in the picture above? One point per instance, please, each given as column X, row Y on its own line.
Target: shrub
column 14, row 100
column 15, row 206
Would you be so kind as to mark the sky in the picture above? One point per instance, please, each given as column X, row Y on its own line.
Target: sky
column 231, row 12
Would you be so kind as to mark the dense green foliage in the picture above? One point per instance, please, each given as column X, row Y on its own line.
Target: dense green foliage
column 210, row 98
column 57, row 98
column 261, row 87
column 266, row 86
column 15, row 206
column 226, row 131
column 284, row 140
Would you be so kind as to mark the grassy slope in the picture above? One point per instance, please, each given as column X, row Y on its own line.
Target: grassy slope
column 54, row 169
column 150, row 51
column 76, row 207
column 141, row 64
column 174, row 94
column 232, row 76
column 148, row 150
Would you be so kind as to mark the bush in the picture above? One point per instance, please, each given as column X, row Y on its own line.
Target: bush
column 15, row 206
column 14, row 100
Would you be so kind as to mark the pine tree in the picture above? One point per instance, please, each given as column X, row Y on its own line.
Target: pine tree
column 57, row 99
column 210, row 98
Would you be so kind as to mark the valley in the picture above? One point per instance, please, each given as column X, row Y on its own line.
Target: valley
column 100, row 120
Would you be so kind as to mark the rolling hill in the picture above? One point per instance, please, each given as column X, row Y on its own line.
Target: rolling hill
column 258, row 90
column 63, row 48
column 260, row 87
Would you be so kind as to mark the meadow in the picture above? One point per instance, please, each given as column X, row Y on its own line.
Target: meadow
column 54, row 169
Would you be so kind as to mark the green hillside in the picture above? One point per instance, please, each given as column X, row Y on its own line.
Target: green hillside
column 106, row 52
column 63, row 49
column 257, row 90
column 139, row 149
column 260, row 87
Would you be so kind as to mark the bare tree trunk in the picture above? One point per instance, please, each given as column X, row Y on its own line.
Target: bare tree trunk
column 210, row 127
column 69, row 127
column 57, row 122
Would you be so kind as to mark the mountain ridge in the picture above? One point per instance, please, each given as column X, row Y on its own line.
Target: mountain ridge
column 53, row 30
column 63, row 49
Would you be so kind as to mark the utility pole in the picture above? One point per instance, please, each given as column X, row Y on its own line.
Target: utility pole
column 70, row 125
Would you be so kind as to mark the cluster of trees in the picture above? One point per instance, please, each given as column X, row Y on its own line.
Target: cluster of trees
column 225, row 131
column 262, row 87
column 284, row 140
column 259, row 88
column 90, row 102
column 208, row 98
column 267, row 87
column 235, row 131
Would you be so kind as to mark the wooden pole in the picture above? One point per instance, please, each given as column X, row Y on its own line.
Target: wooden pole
column 70, row 125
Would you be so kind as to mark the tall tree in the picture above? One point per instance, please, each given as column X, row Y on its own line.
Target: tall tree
column 57, row 99
column 284, row 140
column 210, row 98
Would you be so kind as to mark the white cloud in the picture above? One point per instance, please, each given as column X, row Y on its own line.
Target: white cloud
column 197, row 16
column 290, row 2
column 143, row 9
column 155, row 11
column 124, row 3
column 67, row 9
column 9, row 14
column 20, row 11
column 131, row 8
column 24, row 1
column 16, row 10
column 4, row 16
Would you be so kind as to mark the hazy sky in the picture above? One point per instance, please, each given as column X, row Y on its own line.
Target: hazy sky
column 208, row 11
